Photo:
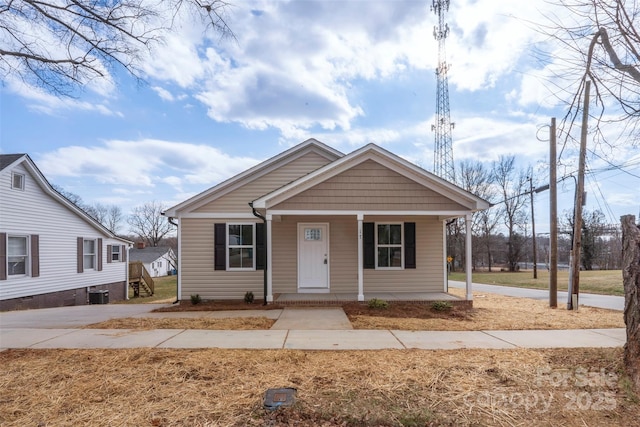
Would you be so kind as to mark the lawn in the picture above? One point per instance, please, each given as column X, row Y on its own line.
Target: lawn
column 165, row 291
column 606, row 282
column 155, row 387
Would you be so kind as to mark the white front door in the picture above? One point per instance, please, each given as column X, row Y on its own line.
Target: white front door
column 313, row 257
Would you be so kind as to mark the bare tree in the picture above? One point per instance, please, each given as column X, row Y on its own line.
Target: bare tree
column 62, row 45
column 513, row 187
column 148, row 224
column 108, row 215
column 475, row 178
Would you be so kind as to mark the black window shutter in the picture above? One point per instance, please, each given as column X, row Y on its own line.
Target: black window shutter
column 409, row 245
column 219, row 250
column 368, row 245
column 261, row 246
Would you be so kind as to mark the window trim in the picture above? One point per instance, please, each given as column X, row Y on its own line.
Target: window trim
column 94, row 254
column 13, row 181
column 27, row 256
column 252, row 246
column 116, row 250
column 395, row 245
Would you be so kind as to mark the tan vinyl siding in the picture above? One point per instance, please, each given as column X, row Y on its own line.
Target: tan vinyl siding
column 343, row 253
column 197, row 269
column 428, row 276
column 369, row 186
column 238, row 199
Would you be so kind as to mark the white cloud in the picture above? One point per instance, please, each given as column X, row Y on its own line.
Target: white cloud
column 163, row 93
column 131, row 169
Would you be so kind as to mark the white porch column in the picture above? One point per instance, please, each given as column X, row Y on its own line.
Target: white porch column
column 467, row 223
column 269, row 295
column 360, row 260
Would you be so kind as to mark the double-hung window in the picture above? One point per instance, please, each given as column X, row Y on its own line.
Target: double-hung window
column 241, row 246
column 115, row 253
column 17, row 255
column 89, row 254
column 389, row 246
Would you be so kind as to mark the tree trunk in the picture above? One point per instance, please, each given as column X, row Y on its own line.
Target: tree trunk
column 631, row 278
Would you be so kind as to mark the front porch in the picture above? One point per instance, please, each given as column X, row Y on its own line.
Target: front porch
column 344, row 298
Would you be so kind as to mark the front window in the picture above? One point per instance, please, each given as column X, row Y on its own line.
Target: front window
column 240, row 246
column 389, row 246
column 89, row 254
column 17, row 255
column 115, row 253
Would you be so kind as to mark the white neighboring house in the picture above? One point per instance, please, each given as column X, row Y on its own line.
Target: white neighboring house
column 159, row 261
column 52, row 253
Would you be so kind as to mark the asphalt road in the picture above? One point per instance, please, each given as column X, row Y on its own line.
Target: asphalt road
column 591, row 300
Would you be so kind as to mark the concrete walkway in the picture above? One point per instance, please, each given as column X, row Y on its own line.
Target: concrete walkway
column 295, row 328
column 306, row 339
column 592, row 300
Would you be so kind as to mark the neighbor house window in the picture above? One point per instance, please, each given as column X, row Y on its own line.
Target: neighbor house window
column 89, row 254
column 240, row 246
column 17, row 181
column 115, row 253
column 389, row 246
column 17, row 255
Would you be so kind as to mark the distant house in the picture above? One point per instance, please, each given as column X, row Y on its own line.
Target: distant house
column 51, row 252
column 159, row 261
column 314, row 220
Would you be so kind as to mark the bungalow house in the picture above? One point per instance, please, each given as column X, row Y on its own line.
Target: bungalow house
column 51, row 252
column 158, row 261
column 312, row 220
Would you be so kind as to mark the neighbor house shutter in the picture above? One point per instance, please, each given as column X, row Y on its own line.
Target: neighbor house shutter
column 409, row 245
column 80, row 263
column 123, row 253
column 368, row 245
column 109, row 254
column 261, row 246
column 3, row 256
column 219, row 250
column 35, row 255
column 99, row 254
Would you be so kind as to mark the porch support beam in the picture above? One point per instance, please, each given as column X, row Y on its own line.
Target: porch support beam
column 360, row 260
column 269, row 295
column 467, row 223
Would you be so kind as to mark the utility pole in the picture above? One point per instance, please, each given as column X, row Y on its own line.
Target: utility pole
column 533, row 230
column 577, row 220
column 553, row 214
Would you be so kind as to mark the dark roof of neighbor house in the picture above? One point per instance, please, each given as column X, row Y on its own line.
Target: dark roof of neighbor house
column 148, row 254
column 7, row 159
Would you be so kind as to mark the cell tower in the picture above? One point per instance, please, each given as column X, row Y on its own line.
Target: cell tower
column 443, row 149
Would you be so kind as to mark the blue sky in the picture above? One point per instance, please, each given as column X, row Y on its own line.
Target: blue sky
column 344, row 72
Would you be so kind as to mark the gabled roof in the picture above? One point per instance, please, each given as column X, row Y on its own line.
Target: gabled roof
column 309, row 146
column 148, row 254
column 384, row 157
column 9, row 161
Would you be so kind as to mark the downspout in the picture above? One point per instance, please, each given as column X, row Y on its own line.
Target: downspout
column 264, row 220
column 126, row 283
column 170, row 219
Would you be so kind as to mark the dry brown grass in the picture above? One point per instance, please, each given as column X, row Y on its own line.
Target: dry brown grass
column 490, row 312
column 142, row 387
column 241, row 323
